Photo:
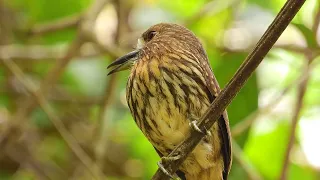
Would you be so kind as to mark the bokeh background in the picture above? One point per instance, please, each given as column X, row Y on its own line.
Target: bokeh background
column 62, row 117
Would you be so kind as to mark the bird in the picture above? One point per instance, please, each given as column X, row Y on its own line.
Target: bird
column 170, row 86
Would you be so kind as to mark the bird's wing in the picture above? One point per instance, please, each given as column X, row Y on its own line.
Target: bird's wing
column 223, row 121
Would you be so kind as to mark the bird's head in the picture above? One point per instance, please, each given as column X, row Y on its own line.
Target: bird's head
column 159, row 40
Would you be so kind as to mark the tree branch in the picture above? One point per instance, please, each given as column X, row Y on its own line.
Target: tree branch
column 300, row 95
column 245, row 164
column 60, row 24
column 84, row 32
column 69, row 138
column 233, row 87
column 239, row 128
column 212, row 7
column 41, row 53
column 51, row 78
column 316, row 22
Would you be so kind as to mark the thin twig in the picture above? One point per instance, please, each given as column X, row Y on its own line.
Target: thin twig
column 212, row 7
column 41, row 53
column 111, row 85
column 106, row 102
column 239, row 128
column 294, row 48
column 51, row 78
column 245, row 164
column 70, row 140
column 233, row 87
column 22, row 154
column 60, row 24
column 27, row 106
column 73, row 50
column 299, row 104
column 316, row 22
column 30, row 103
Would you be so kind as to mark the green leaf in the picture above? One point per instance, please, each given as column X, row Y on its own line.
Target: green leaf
column 138, row 145
column 308, row 35
column 87, row 77
column 45, row 11
column 237, row 172
column 209, row 26
column 4, row 100
column 297, row 172
column 54, row 148
column 40, row 119
column 273, row 6
column 266, row 147
column 225, row 66
column 182, row 8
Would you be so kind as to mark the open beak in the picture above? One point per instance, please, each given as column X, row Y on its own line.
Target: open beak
column 124, row 62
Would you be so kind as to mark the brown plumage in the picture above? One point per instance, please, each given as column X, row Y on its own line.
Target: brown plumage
column 170, row 85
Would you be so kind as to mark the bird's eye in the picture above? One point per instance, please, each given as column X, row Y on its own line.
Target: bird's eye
column 150, row 35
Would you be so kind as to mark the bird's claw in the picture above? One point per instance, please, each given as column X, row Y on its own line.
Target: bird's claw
column 173, row 158
column 195, row 127
column 164, row 169
column 167, row 159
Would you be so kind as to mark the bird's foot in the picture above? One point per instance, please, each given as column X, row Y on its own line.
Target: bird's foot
column 167, row 159
column 194, row 126
column 164, row 170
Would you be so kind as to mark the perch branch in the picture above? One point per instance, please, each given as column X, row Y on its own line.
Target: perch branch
column 215, row 110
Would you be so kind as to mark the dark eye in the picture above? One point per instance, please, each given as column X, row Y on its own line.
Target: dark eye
column 150, row 35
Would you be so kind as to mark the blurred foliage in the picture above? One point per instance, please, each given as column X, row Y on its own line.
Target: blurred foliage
column 228, row 30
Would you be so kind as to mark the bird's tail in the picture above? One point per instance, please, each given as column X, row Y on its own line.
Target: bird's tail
column 202, row 165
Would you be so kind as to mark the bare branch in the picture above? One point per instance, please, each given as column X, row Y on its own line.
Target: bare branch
column 69, row 139
column 212, row 7
column 60, row 24
column 27, row 106
column 233, row 87
column 245, row 164
column 51, row 78
column 22, row 154
column 299, row 104
column 316, row 22
column 40, row 52
column 239, row 128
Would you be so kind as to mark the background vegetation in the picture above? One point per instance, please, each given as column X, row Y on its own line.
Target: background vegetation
column 61, row 117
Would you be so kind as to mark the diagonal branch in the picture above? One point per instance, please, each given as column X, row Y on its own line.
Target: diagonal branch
column 212, row 7
column 242, row 126
column 29, row 104
column 233, row 87
column 41, row 53
column 243, row 161
column 299, row 104
column 84, row 32
column 316, row 22
column 69, row 138
column 60, row 24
